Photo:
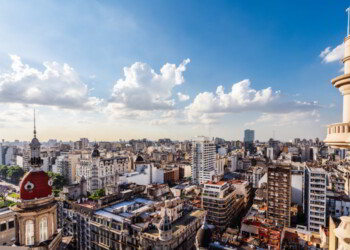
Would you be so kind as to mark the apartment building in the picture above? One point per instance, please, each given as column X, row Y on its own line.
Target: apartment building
column 279, row 194
column 218, row 199
column 203, row 160
column 317, row 197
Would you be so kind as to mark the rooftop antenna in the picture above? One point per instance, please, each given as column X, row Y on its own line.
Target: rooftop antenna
column 34, row 125
column 348, row 10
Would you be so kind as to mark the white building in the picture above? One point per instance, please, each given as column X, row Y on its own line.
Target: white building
column 145, row 174
column 317, row 191
column 203, row 159
column 233, row 162
column 269, row 153
column 101, row 172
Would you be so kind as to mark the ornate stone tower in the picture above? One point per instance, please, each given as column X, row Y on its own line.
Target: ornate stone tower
column 338, row 134
column 36, row 214
column 165, row 229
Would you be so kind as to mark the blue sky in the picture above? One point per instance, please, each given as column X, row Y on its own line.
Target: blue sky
column 270, row 51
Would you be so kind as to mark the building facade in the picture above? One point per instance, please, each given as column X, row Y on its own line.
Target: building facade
column 279, row 194
column 203, row 160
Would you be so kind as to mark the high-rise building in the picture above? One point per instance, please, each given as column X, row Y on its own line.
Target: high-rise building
column 316, row 197
column 279, row 194
column 249, row 135
column 203, row 159
column 249, row 140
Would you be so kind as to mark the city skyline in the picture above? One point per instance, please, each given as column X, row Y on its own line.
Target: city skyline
column 134, row 70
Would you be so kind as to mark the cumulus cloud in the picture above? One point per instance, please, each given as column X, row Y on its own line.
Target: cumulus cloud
column 241, row 98
column 58, row 85
column 144, row 89
column 208, row 107
column 329, row 55
column 286, row 119
column 183, row 97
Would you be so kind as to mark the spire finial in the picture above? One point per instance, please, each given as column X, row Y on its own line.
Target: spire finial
column 34, row 125
column 348, row 10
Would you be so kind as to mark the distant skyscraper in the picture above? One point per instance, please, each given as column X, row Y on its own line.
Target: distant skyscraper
column 249, row 140
column 203, row 159
column 249, row 135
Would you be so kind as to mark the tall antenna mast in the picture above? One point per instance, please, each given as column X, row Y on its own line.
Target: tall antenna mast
column 34, row 125
column 348, row 10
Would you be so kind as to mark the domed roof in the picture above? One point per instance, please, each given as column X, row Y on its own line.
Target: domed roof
column 165, row 223
column 95, row 152
column 203, row 236
column 139, row 158
column 35, row 184
column 35, row 142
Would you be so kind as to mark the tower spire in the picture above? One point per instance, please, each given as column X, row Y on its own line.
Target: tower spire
column 34, row 125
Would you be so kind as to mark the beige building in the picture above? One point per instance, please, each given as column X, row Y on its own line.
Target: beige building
column 7, row 227
column 279, row 194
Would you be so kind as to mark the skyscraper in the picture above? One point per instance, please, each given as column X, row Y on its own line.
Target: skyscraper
column 203, row 159
column 249, row 140
column 249, row 135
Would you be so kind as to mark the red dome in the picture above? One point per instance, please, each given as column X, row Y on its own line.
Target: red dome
column 35, row 185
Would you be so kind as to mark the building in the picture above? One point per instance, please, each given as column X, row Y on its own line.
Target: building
column 100, row 172
column 279, row 194
column 7, row 227
column 218, row 200
column 249, row 140
column 203, row 160
column 249, row 135
column 36, row 214
column 316, row 189
column 62, row 166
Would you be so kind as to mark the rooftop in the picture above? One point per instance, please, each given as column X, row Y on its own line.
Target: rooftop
column 181, row 223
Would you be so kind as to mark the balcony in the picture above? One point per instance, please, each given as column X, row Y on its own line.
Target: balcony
column 338, row 135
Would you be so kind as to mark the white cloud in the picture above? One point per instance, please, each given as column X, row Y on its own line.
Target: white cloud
column 144, row 89
column 183, row 97
column 287, row 119
column 241, row 98
column 58, row 85
column 331, row 55
column 208, row 107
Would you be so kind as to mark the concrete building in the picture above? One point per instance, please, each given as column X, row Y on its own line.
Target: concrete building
column 203, row 159
column 269, row 154
column 316, row 197
column 145, row 174
column 279, row 194
column 7, row 227
column 100, row 172
column 218, row 200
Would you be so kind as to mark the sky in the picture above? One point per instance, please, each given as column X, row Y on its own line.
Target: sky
column 111, row 70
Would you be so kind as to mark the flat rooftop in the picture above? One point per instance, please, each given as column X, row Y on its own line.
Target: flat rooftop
column 109, row 212
column 180, row 223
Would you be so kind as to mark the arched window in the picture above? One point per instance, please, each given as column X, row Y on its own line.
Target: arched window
column 43, row 229
column 29, row 232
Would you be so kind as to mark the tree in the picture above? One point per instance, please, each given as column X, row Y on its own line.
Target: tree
column 3, row 171
column 58, row 180
column 15, row 173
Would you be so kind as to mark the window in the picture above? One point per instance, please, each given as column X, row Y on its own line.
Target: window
column 43, row 229
column 3, row 226
column 29, row 232
column 11, row 224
